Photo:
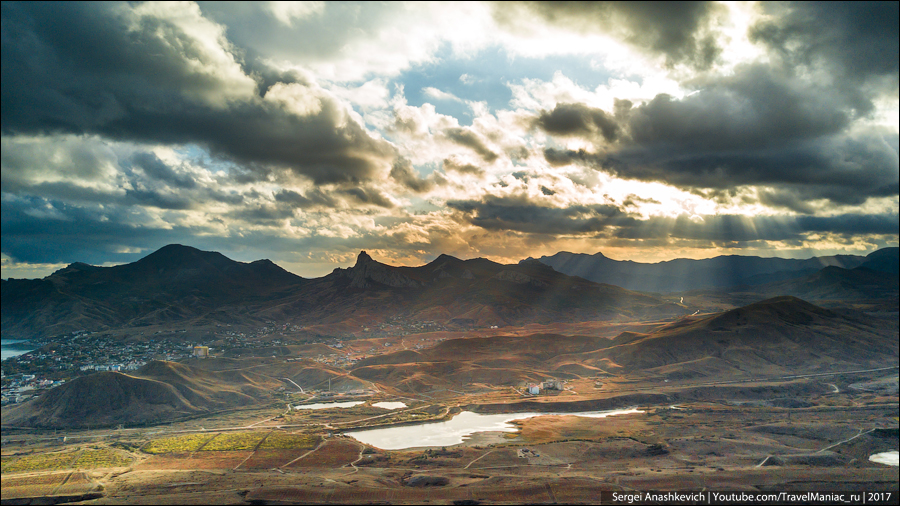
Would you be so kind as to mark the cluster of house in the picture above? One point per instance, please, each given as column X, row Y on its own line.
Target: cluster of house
column 25, row 386
column 126, row 366
column 550, row 384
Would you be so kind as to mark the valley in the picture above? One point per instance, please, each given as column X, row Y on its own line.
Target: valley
column 575, row 390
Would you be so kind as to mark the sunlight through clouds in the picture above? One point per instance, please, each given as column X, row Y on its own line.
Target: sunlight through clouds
column 503, row 130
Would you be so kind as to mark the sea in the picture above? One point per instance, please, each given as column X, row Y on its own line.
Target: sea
column 14, row 347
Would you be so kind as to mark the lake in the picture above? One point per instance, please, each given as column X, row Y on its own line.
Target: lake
column 326, row 405
column 456, row 430
column 389, row 405
column 891, row 458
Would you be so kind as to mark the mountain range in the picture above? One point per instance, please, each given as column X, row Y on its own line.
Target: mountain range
column 182, row 285
column 682, row 274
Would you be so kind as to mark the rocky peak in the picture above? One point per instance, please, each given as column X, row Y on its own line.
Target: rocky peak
column 368, row 270
column 363, row 258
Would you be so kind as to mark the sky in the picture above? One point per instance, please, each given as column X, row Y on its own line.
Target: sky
column 304, row 132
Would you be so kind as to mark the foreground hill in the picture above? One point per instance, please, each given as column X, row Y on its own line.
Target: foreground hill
column 723, row 271
column 783, row 335
column 186, row 286
column 174, row 284
column 160, row 391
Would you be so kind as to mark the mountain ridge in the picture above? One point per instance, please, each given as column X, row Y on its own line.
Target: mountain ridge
column 681, row 274
column 180, row 284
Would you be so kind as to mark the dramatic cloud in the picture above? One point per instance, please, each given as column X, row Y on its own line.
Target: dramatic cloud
column 163, row 73
column 578, row 119
column 304, row 132
column 678, row 30
column 854, row 40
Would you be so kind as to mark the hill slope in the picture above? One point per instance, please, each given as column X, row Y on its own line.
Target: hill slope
column 160, row 391
column 783, row 335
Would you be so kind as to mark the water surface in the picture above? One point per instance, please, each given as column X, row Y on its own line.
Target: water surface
column 891, row 458
column 455, row 430
column 390, row 405
column 14, row 347
column 326, row 405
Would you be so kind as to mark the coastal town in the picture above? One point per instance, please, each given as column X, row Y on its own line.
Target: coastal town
column 53, row 361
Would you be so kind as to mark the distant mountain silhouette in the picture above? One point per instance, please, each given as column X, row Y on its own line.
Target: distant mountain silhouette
column 175, row 283
column 684, row 274
column 462, row 293
column 182, row 285
column 883, row 260
column 835, row 283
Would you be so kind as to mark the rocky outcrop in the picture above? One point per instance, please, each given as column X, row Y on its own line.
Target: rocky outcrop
column 519, row 278
column 367, row 271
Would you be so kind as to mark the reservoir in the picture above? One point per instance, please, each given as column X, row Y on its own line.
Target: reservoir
column 14, row 347
column 455, row 430
column 326, row 405
column 891, row 458
column 389, row 405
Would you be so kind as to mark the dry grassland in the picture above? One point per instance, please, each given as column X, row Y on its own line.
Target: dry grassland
column 334, row 453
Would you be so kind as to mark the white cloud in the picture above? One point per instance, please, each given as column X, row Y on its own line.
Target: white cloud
column 288, row 12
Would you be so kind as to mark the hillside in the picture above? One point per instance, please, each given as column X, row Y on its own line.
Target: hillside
column 159, row 391
column 783, row 335
column 684, row 274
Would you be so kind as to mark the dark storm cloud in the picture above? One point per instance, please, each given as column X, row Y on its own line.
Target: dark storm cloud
column 856, row 40
column 404, row 173
column 578, row 119
column 759, row 126
column 677, row 30
column 609, row 221
column 496, row 213
column 757, row 106
column 467, row 138
column 99, row 68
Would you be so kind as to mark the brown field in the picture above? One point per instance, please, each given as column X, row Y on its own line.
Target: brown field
column 77, row 483
column 334, row 453
column 268, row 459
column 198, row 460
column 28, row 486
